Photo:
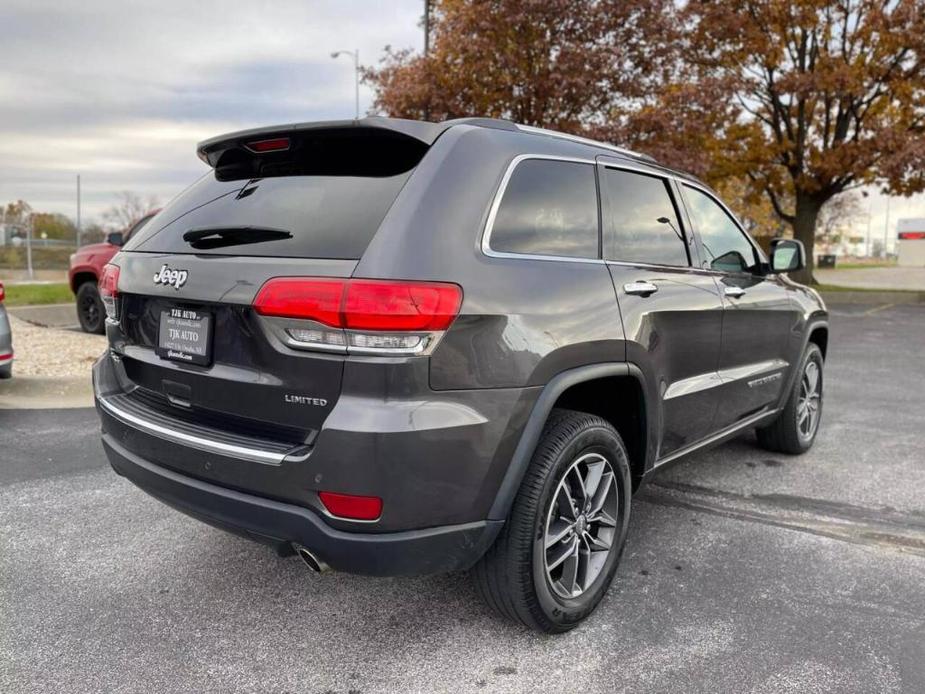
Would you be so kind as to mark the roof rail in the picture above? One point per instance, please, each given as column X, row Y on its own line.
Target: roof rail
column 585, row 141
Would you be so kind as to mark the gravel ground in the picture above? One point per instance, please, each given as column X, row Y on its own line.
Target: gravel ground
column 51, row 352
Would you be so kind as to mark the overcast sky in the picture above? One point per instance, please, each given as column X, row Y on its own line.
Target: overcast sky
column 121, row 91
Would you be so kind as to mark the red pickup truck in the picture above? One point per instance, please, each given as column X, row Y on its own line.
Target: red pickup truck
column 84, row 272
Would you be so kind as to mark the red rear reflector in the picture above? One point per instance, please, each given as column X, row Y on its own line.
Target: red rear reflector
column 2, row 292
column 277, row 144
column 362, row 304
column 351, row 506
column 109, row 281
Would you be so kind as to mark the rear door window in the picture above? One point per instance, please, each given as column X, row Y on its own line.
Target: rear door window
column 640, row 220
column 549, row 208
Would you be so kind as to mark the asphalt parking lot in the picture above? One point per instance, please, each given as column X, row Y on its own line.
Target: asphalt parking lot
column 744, row 571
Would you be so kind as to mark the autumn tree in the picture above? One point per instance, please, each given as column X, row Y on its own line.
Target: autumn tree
column 130, row 208
column 801, row 99
column 54, row 226
column 559, row 64
column 829, row 95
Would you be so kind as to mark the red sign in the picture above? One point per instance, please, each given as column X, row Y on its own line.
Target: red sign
column 911, row 235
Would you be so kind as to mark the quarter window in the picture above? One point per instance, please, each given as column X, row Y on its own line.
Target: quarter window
column 725, row 245
column 549, row 208
column 640, row 220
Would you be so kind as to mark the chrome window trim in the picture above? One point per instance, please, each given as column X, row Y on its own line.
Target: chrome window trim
column 485, row 243
column 255, row 455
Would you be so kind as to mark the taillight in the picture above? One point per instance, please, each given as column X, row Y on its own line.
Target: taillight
column 2, row 292
column 312, row 299
column 400, row 306
column 109, row 290
column 350, row 506
column 360, row 315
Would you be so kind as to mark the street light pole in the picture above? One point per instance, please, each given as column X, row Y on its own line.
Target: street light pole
column 355, row 54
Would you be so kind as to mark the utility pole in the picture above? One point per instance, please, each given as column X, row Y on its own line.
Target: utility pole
column 78, row 210
column 870, row 210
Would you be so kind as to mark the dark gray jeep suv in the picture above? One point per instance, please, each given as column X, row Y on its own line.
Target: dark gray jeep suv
column 398, row 347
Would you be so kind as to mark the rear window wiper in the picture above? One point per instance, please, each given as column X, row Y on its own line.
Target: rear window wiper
column 219, row 237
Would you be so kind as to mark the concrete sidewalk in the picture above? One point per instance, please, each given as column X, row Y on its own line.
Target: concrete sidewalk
column 889, row 278
column 48, row 315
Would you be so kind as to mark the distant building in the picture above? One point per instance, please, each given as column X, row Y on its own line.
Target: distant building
column 910, row 244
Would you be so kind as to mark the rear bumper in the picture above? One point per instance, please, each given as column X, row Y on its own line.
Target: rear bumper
column 410, row 552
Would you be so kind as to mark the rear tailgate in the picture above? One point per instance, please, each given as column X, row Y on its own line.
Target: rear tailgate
column 306, row 207
column 250, row 374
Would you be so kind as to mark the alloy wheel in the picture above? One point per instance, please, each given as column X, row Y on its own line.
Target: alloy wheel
column 581, row 525
column 810, row 400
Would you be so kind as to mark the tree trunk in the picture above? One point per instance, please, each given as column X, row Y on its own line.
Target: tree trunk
column 804, row 229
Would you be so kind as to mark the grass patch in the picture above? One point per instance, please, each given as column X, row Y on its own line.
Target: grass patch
column 32, row 294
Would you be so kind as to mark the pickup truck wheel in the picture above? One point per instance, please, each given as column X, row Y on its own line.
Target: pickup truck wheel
column 558, row 551
column 794, row 431
column 90, row 310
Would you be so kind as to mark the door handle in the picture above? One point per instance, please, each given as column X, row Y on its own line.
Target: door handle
column 734, row 292
column 640, row 288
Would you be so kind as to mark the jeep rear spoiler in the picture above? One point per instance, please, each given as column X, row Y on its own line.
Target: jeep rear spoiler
column 376, row 146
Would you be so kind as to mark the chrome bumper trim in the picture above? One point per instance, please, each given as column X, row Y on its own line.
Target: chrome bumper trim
column 203, row 444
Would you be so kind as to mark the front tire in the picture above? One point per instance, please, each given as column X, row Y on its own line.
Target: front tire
column 90, row 310
column 795, row 429
column 559, row 549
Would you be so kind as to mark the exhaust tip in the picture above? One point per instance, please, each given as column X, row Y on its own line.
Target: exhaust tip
column 311, row 561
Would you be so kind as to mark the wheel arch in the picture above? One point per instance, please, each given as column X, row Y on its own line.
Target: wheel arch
column 80, row 277
column 819, row 336
column 586, row 389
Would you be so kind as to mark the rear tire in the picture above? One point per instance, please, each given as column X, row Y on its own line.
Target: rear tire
column 795, row 429
column 6, row 371
column 580, row 462
column 90, row 310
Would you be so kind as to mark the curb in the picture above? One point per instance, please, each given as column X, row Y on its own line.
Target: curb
column 45, row 392
column 47, row 315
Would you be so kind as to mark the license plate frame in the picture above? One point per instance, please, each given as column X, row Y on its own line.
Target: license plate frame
column 185, row 335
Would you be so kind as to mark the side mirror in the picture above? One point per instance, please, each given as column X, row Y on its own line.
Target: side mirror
column 115, row 238
column 787, row 255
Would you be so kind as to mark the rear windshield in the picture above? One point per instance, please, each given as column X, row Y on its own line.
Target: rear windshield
column 288, row 216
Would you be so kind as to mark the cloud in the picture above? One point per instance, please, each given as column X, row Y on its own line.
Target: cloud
column 122, row 92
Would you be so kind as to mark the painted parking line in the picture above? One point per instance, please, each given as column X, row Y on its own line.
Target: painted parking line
column 877, row 309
